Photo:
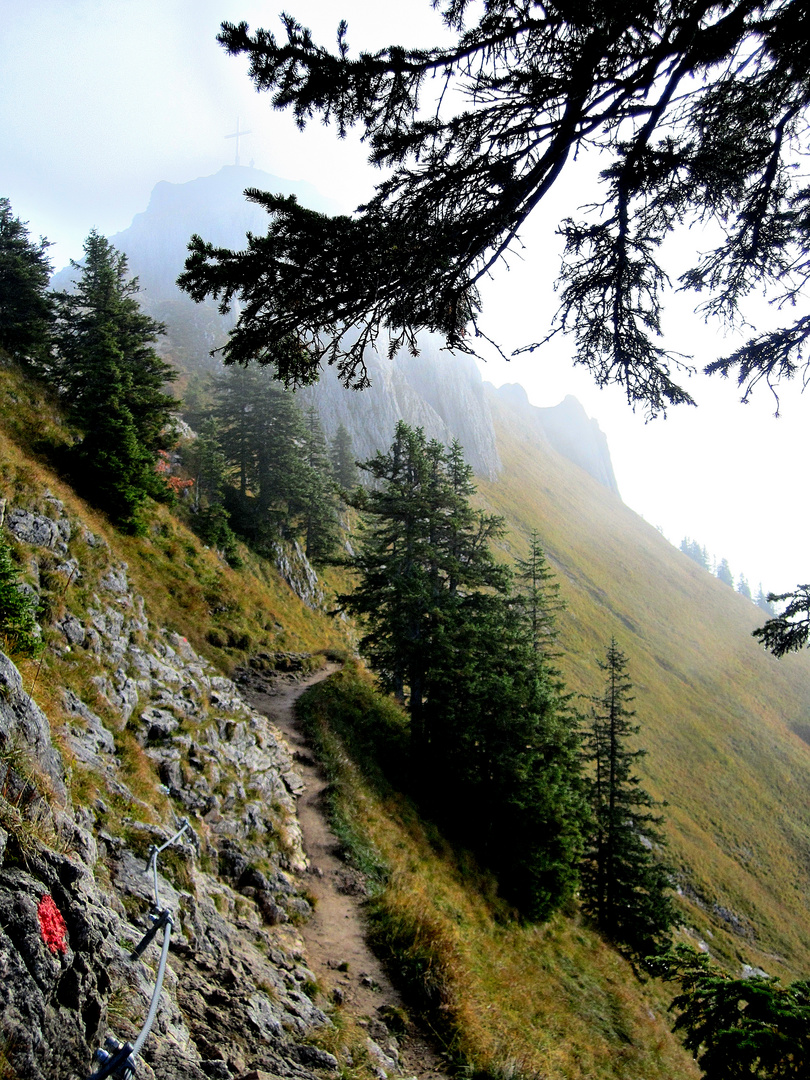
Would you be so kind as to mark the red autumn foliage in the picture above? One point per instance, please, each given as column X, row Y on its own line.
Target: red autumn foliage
column 51, row 925
column 163, row 467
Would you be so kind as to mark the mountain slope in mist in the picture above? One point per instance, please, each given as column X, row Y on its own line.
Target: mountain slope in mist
column 439, row 391
column 719, row 716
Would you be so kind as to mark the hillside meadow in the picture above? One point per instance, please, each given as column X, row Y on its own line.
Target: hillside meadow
column 719, row 716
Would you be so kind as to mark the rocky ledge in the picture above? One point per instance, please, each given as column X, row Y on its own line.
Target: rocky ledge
column 148, row 733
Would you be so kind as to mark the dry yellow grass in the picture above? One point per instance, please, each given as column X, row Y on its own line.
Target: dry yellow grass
column 507, row 999
column 719, row 716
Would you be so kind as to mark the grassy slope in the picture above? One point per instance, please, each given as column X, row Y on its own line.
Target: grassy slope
column 187, row 587
column 506, row 1000
column 716, row 711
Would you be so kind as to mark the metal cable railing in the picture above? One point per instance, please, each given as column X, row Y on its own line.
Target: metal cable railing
column 115, row 1059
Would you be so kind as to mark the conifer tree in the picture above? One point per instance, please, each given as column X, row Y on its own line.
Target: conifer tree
column 344, row 465
column 696, row 553
column 423, row 542
column 724, row 573
column 495, row 755
column 505, row 751
column 206, row 462
column 540, row 596
column 762, row 600
column 19, row 632
column 26, row 307
column 112, row 381
column 743, row 588
column 319, row 506
column 748, row 1027
column 698, row 108
column 625, row 885
column 262, row 436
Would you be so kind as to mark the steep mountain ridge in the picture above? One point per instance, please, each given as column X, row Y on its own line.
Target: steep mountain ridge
column 437, row 390
column 568, row 429
column 721, row 718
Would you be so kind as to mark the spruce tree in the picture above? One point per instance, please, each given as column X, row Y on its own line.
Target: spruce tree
column 112, row 380
column 422, row 543
column 625, row 885
column 19, row 632
column 263, row 438
column 495, row 755
column 344, row 465
column 724, row 573
column 540, row 596
column 319, row 505
column 206, row 462
column 696, row 553
column 762, row 600
column 750, row 1027
column 699, row 110
column 26, row 307
column 505, row 754
column 743, row 588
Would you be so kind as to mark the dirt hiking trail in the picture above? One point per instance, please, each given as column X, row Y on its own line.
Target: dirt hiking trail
column 347, row 970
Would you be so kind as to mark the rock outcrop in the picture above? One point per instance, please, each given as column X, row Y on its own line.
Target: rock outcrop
column 568, row 429
column 76, row 830
column 438, row 391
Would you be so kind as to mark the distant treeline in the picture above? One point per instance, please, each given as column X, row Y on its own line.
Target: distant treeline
column 722, row 571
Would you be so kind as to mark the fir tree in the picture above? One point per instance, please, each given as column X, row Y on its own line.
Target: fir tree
column 699, row 110
column 344, row 465
column 19, row 632
column 625, row 885
column 494, row 749
column 505, row 751
column 319, row 507
column 26, row 308
column 763, row 601
column 422, row 543
column 263, row 438
column 743, row 588
column 724, row 573
column 112, row 381
column 540, row 596
column 696, row 553
column 206, row 463
column 749, row 1027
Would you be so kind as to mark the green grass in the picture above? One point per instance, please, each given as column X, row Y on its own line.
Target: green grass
column 226, row 614
column 504, row 998
column 716, row 712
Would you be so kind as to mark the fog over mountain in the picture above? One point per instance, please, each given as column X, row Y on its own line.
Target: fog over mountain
column 439, row 391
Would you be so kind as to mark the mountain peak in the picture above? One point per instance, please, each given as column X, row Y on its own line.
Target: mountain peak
column 568, row 429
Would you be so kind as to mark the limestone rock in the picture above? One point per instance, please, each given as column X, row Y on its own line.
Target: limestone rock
column 37, row 530
column 234, row 997
column 567, row 428
column 23, row 723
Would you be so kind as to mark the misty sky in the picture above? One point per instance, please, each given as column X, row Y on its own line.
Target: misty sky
column 101, row 99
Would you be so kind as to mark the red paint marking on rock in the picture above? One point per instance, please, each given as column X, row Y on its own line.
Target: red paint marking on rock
column 51, row 925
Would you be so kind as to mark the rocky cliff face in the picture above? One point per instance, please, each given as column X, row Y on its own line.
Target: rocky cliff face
column 437, row 391
column 568, row 429
column 144, row 731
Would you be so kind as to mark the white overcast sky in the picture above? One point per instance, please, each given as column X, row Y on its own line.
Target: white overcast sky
column 101, row 99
